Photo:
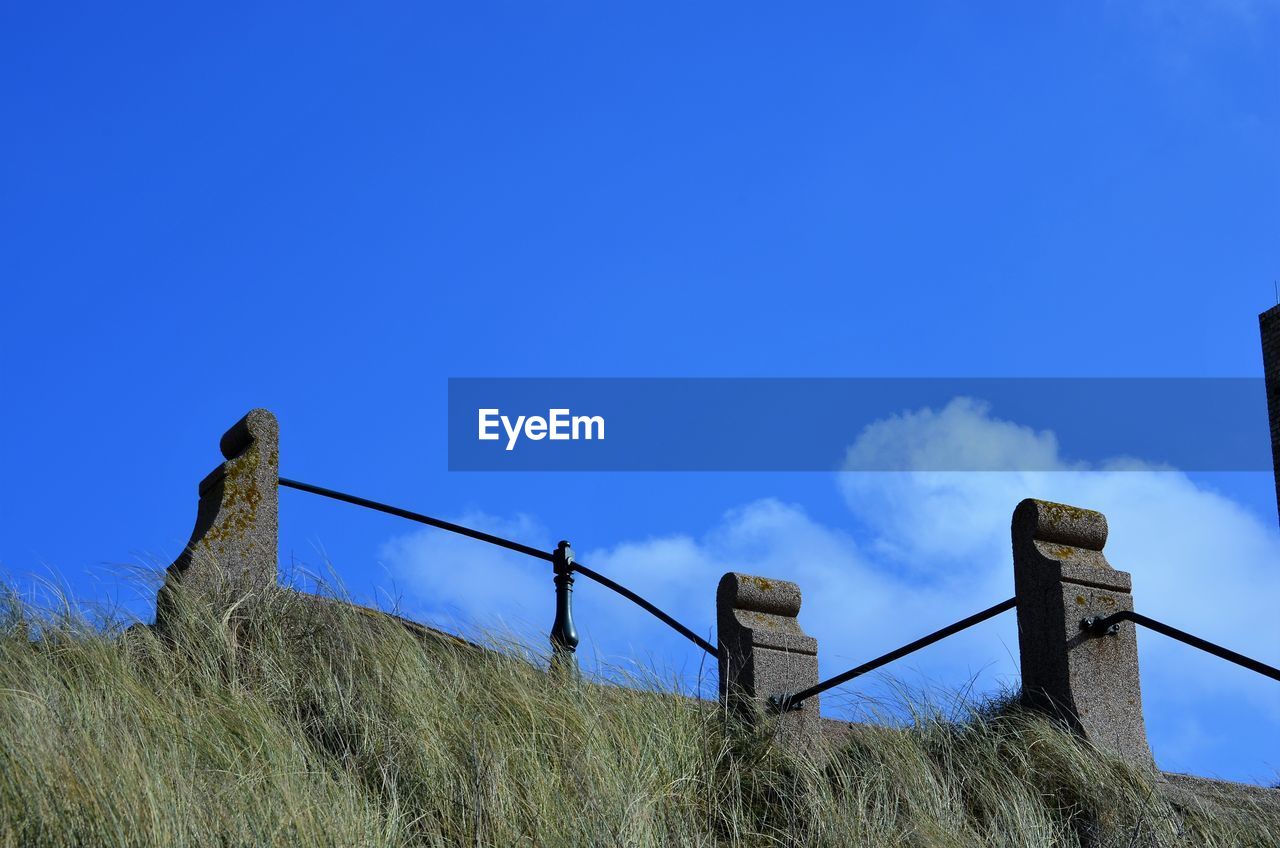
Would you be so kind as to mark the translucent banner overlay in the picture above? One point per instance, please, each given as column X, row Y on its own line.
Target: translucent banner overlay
column 870, row 424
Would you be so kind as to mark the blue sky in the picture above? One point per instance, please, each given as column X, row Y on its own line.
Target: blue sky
column 330, row 211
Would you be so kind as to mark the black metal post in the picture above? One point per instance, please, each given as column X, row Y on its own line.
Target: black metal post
column 564, row 637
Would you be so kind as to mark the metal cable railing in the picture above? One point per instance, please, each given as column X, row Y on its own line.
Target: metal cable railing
column 563, row 634
column 793, row 701
column 1097, row 626
column 1107, row 625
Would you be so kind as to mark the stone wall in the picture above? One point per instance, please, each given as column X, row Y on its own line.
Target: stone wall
column 1085, row 675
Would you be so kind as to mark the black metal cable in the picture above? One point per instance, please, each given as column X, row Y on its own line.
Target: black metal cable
column 789, row 701
column 792, row 701
column 634, row 598
column 503, row 543
column 1194, row 641
column 418, row 517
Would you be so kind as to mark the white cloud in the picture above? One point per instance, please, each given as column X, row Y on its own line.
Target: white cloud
column 934, row 547
column 960, row 437
column 456, row 582
column 1199, row 560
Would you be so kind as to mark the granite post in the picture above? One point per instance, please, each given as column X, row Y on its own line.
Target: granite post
column 765, row 654
column 1064, row 585
column 1269, row 322
column 233, row 547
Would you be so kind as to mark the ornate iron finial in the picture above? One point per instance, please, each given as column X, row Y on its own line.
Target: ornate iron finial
column 564, row 637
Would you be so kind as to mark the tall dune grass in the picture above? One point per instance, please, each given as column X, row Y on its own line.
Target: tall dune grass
column 294, row 722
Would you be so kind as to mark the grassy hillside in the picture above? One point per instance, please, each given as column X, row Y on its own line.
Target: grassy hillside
column 309, row 724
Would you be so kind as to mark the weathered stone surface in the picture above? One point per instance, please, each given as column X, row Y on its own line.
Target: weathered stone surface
column 1046, row 521
column 233, row 548
column 1189, row 790
column 1061, row 578
column 764, row 653
column 1269, row 322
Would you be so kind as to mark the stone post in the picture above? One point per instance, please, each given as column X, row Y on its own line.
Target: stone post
column 764, row 654
column 1062, row 581
column 1269, row 322
column 233, row 548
